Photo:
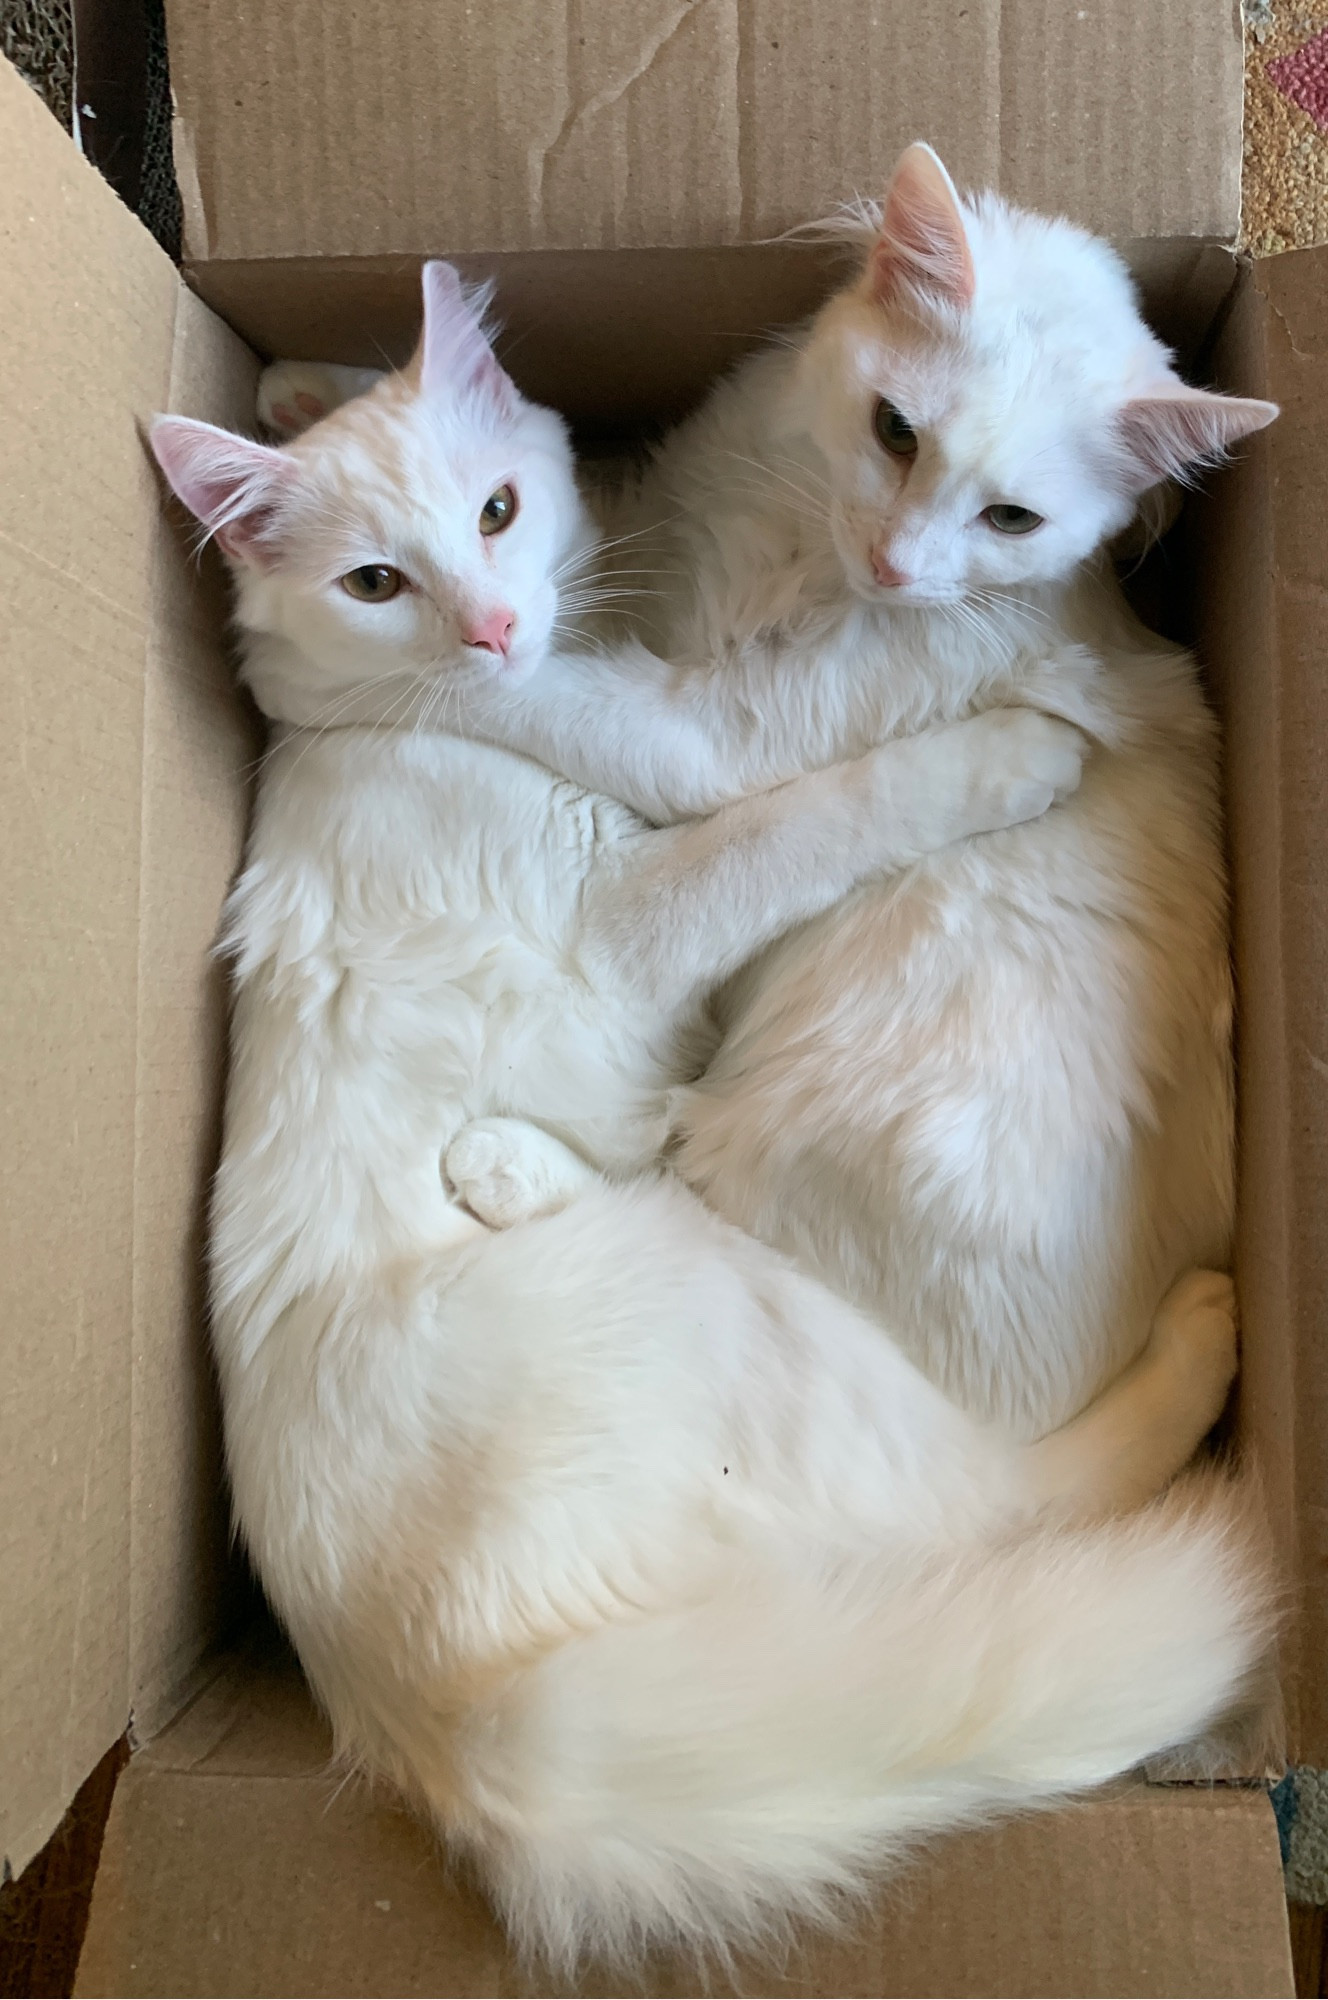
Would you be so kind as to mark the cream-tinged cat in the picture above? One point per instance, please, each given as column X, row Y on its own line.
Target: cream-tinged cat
column 653, row 1572
column 989, row 1100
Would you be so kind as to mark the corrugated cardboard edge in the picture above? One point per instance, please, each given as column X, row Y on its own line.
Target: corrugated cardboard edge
column 196, row 232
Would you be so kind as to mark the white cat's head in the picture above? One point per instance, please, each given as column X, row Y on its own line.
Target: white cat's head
column 410, row 540
column 989, row 403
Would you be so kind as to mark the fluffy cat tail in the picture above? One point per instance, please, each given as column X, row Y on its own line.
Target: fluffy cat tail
column 704, row 1778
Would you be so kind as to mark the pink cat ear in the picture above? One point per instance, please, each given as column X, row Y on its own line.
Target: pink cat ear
column 454, row 355
column 1177, row 427
column 923, row 244
column 234, row 487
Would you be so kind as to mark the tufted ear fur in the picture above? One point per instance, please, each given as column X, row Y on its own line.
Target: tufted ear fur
column 455, row 356
column 236, row 488
column 1176, row 427
column 923, row 243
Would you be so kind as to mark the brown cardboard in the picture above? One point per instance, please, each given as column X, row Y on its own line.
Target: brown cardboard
column 198, row 747
column 397, row 127
column 617, row 163
column 1264, row 625
column 236, row 1862
column 617, row 342
column 121, row 805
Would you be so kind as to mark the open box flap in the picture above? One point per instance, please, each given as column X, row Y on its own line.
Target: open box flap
column 121, row 806
column 325, row 128
column 237, row 1861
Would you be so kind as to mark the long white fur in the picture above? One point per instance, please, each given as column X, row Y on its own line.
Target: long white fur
column 989, row 1100
column 657, row 1575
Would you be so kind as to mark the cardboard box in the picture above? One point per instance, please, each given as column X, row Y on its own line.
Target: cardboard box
column 619, row 164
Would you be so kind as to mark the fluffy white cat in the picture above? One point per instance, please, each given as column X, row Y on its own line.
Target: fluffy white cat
column 989, row 1100
column 653, row 1572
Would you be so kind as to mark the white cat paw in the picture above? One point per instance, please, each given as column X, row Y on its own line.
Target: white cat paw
column 292, row 395
column 1030, row 761
column 485, row 1166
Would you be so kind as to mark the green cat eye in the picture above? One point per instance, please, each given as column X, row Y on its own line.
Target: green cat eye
column 498, row 511
column 1011, row 520
column 373, row 583
column 894, row 430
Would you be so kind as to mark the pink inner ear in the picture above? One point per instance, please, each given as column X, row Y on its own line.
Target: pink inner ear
column 235, row 487
column 923, row 245
column 1177, row 427
column 454, row 353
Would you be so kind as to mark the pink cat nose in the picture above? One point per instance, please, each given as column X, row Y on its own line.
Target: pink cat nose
column 885, row 572
column 492, row 634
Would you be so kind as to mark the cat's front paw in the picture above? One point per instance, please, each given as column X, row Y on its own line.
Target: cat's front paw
column 1026, row 762
column 292, row 395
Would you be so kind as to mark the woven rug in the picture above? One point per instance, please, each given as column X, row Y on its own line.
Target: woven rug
column 1285, row 179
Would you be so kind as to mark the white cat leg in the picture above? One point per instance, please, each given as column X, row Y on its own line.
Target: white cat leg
column 680, row 909
column 507, row 1171
column 1140, row 1432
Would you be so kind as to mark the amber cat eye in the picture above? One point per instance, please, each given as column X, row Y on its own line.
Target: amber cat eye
column 498, row 511
column 894, row 430
column 373, row 583
column 1007, row 519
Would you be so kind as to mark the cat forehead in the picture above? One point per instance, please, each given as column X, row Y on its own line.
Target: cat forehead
column 982, row 413
column 1073, row 285
column 389, row 452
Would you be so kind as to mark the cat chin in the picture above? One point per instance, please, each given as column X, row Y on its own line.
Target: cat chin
column 910, row 596
column 917, row 598
column 513, row 672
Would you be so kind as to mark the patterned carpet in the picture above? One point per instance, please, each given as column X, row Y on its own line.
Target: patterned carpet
column 1285, row 192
